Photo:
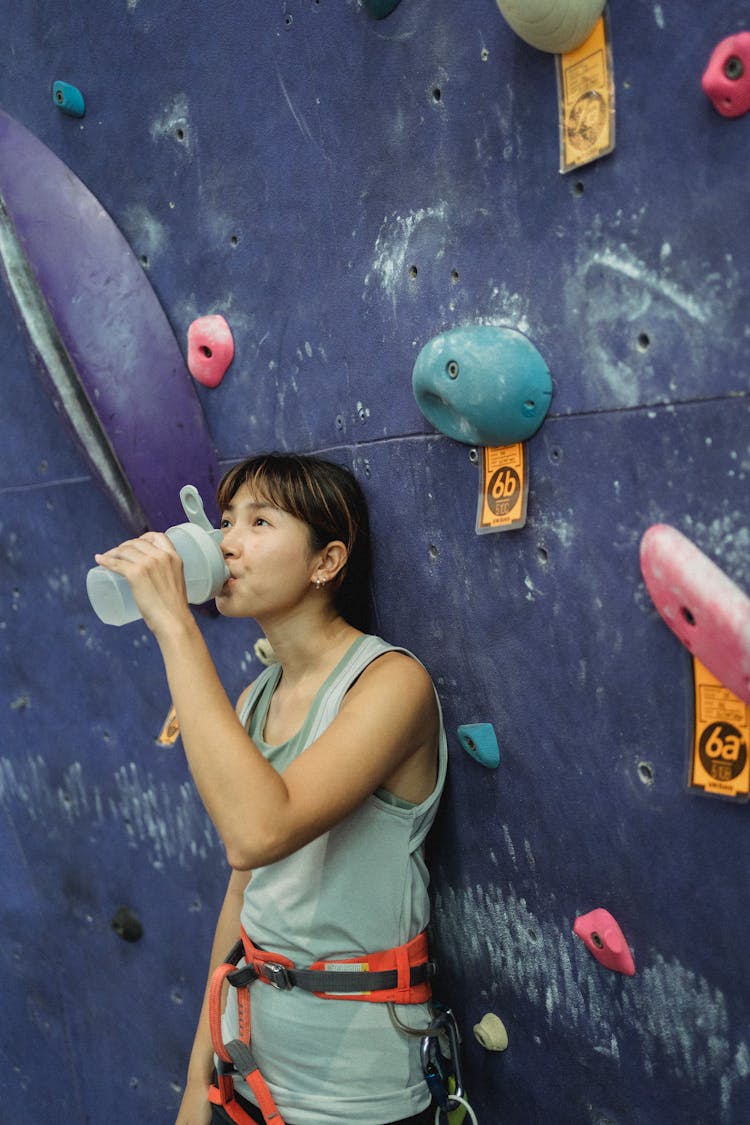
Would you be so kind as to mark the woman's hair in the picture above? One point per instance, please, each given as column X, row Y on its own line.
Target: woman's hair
column 329, row 500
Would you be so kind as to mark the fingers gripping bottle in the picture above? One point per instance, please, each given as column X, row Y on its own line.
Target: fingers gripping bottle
column 197, row 544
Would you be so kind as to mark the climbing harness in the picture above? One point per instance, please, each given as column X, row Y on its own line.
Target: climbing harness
column 401, row 975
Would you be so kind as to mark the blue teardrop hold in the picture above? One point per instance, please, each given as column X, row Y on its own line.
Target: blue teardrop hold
column 482, row 385
column 480, row 740
column 68, row 98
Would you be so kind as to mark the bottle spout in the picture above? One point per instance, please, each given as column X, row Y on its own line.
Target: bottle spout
column 192, row 505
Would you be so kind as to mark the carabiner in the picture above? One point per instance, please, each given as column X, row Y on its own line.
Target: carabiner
column 435, row 1065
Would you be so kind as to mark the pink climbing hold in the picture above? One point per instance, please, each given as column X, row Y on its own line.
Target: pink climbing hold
column 726, row 79
column 700, row 604
column 210, row 349
column 602, row 936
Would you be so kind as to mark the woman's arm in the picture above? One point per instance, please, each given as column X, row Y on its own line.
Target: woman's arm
column 387, row 724
column 195, row 1109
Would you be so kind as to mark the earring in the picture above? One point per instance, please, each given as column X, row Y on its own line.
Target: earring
column 320, row 582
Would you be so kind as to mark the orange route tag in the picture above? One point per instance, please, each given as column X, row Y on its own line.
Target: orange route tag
column 586, row 100
column 170, row 731
column 503, row 488
column 719, row 762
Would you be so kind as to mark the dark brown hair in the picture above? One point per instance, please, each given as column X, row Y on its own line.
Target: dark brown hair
column 328, row 499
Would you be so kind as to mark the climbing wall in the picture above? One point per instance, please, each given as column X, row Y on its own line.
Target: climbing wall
column 341, row 189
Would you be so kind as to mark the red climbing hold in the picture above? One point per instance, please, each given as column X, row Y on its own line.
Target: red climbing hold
column 700, row 603
column 210, row 349
column 602, row 936
column 726, row 79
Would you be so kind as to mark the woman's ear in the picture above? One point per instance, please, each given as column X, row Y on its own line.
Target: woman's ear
column 331, row 562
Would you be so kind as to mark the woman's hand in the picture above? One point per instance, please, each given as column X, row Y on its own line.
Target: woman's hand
column 195, row 1108
column 153, row 569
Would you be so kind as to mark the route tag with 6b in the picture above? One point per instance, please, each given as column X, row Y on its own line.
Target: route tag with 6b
column 503, row 488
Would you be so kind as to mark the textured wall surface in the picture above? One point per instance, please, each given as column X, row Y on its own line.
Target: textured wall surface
column 341, row 189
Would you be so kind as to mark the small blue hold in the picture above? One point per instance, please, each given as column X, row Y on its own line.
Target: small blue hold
column 482, row 385
column 479, row 740
column 68, row 98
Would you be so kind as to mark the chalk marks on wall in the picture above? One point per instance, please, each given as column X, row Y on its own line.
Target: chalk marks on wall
column 676, row 1017
column 169, row 823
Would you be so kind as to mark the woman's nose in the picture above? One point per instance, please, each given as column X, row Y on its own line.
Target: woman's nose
column 228, row 543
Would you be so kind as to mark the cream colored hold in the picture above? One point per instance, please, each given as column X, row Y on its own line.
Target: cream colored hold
column 491, row 1033
column 552, row 25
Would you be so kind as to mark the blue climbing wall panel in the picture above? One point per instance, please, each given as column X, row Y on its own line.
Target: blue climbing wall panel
column 341, row 189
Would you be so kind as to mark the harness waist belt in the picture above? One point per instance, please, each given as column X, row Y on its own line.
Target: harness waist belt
column 401, row 975
column 329, row 981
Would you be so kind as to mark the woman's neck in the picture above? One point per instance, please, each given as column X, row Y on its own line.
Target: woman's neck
column 309, row 648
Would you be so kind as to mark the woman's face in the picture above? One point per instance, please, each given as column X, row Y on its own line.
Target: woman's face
column 270, row 558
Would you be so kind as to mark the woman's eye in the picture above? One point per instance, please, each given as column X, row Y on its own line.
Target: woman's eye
column 224, row 524
column 259, row 522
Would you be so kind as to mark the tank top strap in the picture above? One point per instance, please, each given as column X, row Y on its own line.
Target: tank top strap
column 361, row 654
column 266, row 682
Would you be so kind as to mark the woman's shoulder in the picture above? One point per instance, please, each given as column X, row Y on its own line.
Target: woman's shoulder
column 395, row 671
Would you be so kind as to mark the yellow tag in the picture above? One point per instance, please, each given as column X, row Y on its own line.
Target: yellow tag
column 503, row 488
column 347, row 967
column 170, row 732
column 586, row 100
column 720, row 762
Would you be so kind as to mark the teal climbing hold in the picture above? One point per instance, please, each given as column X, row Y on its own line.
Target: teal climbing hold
column 480, row 740
column 482, row 385
column 68, row 98
column 380, row 8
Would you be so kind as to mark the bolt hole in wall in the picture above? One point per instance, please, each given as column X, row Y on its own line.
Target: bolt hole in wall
column 437, row 94
column 127, row 924
column 577, row 188
column 234, row 240
column 644, row 341
column 413, row 273
column 433, row 551
column 646, row 773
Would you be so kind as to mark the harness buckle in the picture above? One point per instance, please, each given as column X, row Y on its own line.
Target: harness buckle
column 276, row 975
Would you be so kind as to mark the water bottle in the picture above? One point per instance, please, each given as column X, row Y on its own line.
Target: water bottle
column 197, row 544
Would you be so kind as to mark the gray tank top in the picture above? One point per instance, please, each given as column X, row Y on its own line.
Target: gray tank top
column 360, row 887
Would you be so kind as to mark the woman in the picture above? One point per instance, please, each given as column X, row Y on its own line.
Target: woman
column 323, row 783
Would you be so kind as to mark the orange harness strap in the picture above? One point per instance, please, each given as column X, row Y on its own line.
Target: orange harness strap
column 401, row 975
